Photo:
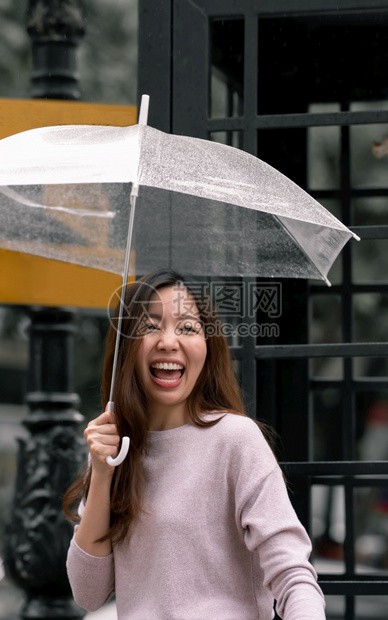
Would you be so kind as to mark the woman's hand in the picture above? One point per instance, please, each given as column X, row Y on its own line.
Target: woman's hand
column 103, row 440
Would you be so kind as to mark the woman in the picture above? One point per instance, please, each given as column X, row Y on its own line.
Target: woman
column 196, row 523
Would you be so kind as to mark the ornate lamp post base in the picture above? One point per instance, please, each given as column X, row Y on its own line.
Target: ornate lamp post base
column 37, row 536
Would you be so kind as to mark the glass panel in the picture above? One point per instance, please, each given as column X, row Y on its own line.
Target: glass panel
column 332, row 205
column 366, row 306
column 231, row 138
column 371, row 543
column 365, row 106
column 335, row 273
column 369, row 164
column 335, row 604
column 324, row 144
column 328, row 527
column 370, row 367
column 371, row 607
column 370, row 261
column 233, row 331
column 326, row 319
column 327, row 426
column 371, row 211
column 248, row 309
column 228, row 298
column 297, row 65
column 285, row 150
column 218, row 96
column 327, row 368
column 224, row 101
column 227, row 68
column 372, row 426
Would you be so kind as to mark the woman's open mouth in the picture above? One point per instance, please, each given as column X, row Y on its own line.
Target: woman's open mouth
column 167, row 374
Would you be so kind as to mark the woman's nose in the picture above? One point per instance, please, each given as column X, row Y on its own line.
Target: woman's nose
column 168, row 340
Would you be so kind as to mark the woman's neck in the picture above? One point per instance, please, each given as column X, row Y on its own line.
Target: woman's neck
column 167, row 418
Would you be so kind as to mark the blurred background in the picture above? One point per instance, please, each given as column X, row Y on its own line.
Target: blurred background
column 107, row 58
column 107, row 67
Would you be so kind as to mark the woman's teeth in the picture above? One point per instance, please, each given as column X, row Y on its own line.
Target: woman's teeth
column 167, row 366
column 167, row 372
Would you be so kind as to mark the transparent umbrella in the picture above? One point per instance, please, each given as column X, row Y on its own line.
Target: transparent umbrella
column 69, row 193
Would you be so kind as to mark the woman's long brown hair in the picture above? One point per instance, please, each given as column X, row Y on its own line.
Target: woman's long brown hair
column 216, row 390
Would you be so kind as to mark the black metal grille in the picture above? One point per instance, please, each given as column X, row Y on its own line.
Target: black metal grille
column 226, row 44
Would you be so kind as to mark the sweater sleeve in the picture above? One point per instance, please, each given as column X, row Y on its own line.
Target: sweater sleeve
column 91, row 578
column 273, row 532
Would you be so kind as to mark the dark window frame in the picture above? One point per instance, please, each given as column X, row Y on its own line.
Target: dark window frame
column 174, row 67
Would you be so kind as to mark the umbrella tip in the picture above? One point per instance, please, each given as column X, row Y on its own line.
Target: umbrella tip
column 144, row 105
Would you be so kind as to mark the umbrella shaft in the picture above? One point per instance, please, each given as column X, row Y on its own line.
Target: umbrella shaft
column 132, row 201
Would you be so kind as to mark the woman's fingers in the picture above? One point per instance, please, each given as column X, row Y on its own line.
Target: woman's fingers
column 105, row 418
column 102, row 436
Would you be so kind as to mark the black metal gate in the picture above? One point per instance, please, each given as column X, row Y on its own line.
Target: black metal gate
column 303, row 84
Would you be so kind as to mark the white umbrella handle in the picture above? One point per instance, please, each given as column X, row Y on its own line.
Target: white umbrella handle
column 121, row 455
column 124, row 444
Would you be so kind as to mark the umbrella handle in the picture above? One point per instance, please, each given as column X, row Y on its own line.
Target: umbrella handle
column 121, row 455
column 124, row 444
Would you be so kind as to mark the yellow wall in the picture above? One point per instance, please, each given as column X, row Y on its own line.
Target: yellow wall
column 30, row 280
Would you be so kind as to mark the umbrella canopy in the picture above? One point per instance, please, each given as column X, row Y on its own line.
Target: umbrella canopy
column 204, row 208
column 69, row 193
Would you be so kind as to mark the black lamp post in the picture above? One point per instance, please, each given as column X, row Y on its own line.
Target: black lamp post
column 37, row 535
column 55, row 28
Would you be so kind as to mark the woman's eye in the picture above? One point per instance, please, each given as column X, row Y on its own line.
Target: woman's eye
column 188, row 328
column 146, row 327
column 151, row 327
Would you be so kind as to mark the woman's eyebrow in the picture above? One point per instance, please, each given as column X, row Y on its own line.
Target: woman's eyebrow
column 193, row 317
column 154, row 315
column 179, row 316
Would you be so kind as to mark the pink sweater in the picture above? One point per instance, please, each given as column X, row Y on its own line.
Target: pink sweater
column 220, row 539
